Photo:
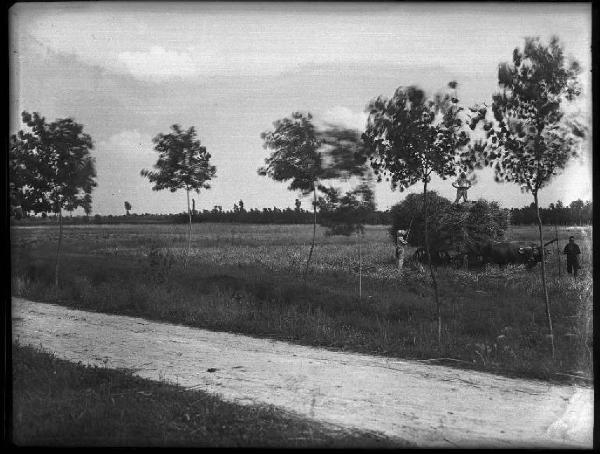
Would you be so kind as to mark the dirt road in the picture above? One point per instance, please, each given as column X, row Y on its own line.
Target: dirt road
column 425, row 404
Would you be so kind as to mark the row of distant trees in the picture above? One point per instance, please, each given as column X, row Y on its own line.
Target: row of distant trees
column 272, row 215
column 577, row 213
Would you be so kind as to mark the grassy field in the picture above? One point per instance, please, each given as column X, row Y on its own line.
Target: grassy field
column 57, row 403
column 248, row 279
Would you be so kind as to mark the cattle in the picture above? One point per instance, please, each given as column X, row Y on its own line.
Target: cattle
column 438, row 256
column 496, row 252
column 504, row 253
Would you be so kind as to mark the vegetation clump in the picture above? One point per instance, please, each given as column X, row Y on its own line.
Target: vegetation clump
column 459, row 227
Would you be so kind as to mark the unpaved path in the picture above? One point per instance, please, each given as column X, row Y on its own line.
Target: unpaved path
column 428, row 405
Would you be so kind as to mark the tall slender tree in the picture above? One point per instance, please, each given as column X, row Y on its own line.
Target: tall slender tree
column 305, row 156
column 530, row 137
column 183, row 163
column 411, row 137
column 52, row 169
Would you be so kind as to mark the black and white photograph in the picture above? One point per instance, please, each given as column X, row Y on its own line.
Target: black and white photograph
column 300, row 224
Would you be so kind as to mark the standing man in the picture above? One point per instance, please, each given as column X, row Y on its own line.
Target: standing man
column 401, row 241
column 572, row 252
column 461, row 185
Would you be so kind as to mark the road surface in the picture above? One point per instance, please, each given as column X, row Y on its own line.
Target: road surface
column 432, row 406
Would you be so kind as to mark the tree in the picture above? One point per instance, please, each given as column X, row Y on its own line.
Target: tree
column 304, row 156
column 531, row 138
column 409, row 138
column 182, row 164
column 51, row 169
column 577, row 207
column 127, row 208
column 346, row 214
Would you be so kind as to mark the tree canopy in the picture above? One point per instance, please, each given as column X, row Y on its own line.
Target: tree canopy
column 182, row 162
column 50, row 165
column 305, row 155
column 529, row 136
column 409, row 137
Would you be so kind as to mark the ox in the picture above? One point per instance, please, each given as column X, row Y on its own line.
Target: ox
column 504, row 253
column 497, row 252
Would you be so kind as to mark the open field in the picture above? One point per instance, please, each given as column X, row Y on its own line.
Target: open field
column 58, row 403
column 247, row 279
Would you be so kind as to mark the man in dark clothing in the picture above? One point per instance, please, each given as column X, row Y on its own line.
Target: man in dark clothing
column 572, row 252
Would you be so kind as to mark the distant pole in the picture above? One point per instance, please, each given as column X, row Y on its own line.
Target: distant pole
column 359, row 265
column 557, row 248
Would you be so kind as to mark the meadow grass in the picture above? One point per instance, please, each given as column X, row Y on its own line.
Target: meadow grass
column 58, row 403
column 247, row 279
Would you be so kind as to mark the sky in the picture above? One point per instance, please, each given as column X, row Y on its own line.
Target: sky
column 128, row 71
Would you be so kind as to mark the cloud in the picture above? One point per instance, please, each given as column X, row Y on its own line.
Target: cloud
column 343, row 116
column 159, row 63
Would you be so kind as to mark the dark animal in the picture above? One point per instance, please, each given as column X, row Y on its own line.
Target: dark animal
column 497, row 252
column 504, row 253
column 438, row 257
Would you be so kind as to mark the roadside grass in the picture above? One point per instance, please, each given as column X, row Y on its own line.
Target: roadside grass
column 251, row 283
column 58, row 403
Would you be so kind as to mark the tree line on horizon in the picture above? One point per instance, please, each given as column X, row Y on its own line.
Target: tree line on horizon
column 578, row 212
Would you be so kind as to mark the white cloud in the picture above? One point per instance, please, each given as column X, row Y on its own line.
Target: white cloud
column 343, row 116
column 168, row 40
column 159, row 63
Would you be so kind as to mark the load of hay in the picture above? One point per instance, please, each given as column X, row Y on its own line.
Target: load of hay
column 454, row 229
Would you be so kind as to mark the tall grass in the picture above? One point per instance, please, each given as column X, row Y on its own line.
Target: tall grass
column 247, row 279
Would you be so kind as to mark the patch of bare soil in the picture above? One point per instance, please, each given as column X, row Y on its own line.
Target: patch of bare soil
column 426, row 404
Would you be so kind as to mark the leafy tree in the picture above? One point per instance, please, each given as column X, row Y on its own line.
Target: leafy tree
column 182, row 164
column 410, row 137
column 127, row 208
column 347, row 214
column 51, row 169
column 305, row 156
column 531, row 138
column 577, row 207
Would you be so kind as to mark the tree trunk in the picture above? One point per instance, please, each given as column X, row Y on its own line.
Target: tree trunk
column 60, row 232
column 189, row 226
column 314, row 229
column 546, row 299
column 433, row 279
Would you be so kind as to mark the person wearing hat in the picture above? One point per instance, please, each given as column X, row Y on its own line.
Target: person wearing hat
column 401, row 242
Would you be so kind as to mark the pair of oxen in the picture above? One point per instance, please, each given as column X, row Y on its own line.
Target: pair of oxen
column 497, row 252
